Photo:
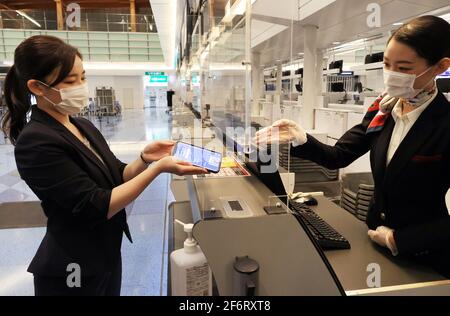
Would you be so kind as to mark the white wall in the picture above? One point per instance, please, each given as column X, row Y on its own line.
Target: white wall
column 121, row 84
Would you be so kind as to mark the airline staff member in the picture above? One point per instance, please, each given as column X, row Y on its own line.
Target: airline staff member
column 67, row 163
column 407, row 131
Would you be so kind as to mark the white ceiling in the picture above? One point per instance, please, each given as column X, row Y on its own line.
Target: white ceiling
column 261, row 31
column 338, row 20
column 167, row 18
column 283, row 9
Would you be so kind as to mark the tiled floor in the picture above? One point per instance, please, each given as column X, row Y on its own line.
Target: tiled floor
column 144, row 262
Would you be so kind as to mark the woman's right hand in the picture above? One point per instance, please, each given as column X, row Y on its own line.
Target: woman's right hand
column 282, row 132
column 173, row 165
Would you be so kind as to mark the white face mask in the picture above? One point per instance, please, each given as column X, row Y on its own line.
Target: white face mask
column 73, row 99
column 401, row 85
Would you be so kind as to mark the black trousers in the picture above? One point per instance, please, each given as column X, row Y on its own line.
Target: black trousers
column 106, row 284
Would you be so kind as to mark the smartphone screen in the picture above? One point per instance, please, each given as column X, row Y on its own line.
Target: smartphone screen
column 198, row 156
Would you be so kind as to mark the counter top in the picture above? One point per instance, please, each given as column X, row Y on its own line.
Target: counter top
column 352, row 266
column 342, row 108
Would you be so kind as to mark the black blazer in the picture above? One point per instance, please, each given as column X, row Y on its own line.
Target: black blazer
column 409, row 192
column 75, row 189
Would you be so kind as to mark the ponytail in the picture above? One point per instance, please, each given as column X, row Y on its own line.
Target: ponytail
column 18, row 101
column 35, row 58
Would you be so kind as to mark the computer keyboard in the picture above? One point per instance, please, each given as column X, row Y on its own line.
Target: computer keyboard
column 327, row 237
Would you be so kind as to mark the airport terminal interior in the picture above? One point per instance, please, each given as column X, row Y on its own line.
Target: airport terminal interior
column 269, row 219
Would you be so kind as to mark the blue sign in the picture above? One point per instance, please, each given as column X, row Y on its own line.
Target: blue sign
column 445, row 74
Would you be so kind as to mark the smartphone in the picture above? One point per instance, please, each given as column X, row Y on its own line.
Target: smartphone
column 198, row 156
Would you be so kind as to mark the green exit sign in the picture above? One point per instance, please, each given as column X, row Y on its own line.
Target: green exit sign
column 154, row 73
column 159, row 79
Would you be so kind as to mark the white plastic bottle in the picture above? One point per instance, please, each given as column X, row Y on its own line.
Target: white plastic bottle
column 189, row 271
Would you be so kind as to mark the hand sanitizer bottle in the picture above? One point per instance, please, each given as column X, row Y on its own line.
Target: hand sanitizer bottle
column 189, row 270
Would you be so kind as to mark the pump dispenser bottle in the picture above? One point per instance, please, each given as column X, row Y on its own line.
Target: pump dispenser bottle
column 189, row 270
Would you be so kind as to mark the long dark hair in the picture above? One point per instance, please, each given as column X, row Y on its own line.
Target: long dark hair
column 35, row 58
column 428, row 35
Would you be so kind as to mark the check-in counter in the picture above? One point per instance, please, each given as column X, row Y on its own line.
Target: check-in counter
column 353, row 267
column 290, row 262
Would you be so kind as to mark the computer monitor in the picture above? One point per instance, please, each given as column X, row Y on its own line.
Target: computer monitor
column 368, row 59
column 270, row 87
column 272, row 180
column 443, row 85
column 337, row 64
column 374, row 58
column 377, row 57
column 337, row 87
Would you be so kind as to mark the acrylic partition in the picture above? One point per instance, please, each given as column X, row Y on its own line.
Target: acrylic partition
column 306, row 70
column 89, row 21
column 225, row 76
column 261, row 64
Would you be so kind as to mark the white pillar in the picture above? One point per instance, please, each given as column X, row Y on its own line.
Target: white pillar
column 248, row 71
column 319, row 74
column 257, row 82
column 277, row 98
column 309, row 76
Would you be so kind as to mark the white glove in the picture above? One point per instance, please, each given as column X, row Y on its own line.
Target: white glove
column 283, row 132
column 384, row 236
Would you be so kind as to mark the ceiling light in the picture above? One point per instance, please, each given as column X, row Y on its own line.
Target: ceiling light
column 28, row 18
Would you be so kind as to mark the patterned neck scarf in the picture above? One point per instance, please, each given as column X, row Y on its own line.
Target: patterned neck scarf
column 388, row 102
column 381, row 109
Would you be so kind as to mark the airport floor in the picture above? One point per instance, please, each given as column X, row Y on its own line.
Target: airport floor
column 144, row 261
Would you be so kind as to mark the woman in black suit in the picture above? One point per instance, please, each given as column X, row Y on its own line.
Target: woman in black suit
column 407, row 131
column 67, row 163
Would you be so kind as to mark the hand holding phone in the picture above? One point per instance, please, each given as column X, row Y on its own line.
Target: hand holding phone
column 173, row 165
column 198, row 156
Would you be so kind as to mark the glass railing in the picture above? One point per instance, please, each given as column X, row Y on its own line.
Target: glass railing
column 89, row 22
column 95, row 46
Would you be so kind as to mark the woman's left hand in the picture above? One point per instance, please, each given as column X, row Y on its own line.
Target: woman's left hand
column 158, row 150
